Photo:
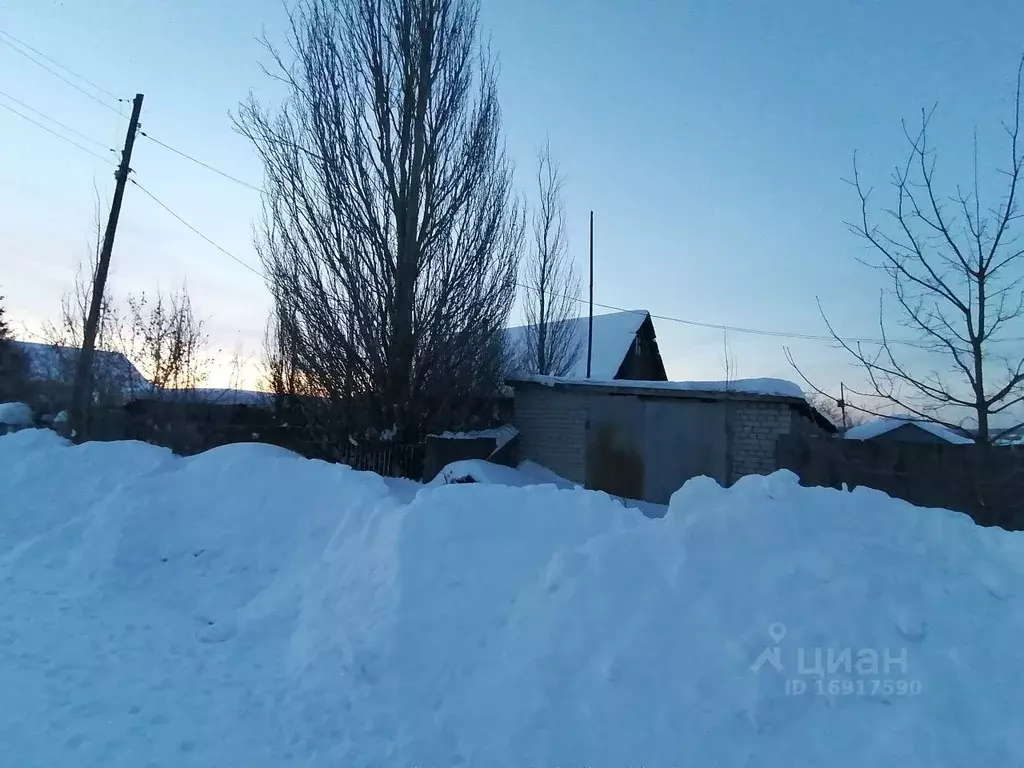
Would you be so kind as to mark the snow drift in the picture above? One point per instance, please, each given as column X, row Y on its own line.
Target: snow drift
column 15, row 415
column 527, row 474
column 249, row 607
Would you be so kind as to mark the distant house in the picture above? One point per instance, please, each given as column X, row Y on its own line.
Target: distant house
column 1013, row 436
column 906, row 431
column 211, row 396
column 52, row 369
column 1003, row 435
column 624, row 347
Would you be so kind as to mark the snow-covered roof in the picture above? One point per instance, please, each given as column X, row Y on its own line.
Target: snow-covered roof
column 50, row 363
column 765, row 387
column 613, row 335
column 501, row 435
column 878, row 427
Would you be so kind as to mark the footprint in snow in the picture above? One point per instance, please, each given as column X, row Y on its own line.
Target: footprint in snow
column 910, row 624
column 994, row 584
column 216, row 631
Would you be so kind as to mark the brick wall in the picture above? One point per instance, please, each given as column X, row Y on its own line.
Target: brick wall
column 756, row 430
column 552, row 430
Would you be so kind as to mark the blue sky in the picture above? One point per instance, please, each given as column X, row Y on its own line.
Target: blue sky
column 710, row 139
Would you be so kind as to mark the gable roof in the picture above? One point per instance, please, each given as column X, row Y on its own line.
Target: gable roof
column 50, row 362
column 878, row 427
column 613, row 336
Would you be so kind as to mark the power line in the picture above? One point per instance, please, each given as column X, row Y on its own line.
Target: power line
column 5, row 34
column 55, row 122
column 57, row 63
column 762, row 331
column 58, row 135
column 694, row 323
column 58, row 75
column 103, row 103
column 790, row 335
column 720, row 327
column 755, row 331
column 207, row 166
column 700, row 324
column 225, row 251
column 667, row 318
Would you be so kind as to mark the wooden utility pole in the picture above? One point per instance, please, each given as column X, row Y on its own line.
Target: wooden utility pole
column 842, row 403
column 590, row 328
column 81, row 393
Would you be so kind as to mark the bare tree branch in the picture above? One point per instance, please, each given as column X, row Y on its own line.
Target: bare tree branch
column 956, row 280
column 65, row 337
column 166, row 341
column 829, row 405
column 550, row 343
column 14, row 366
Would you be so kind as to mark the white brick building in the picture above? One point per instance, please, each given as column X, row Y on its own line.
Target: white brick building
column 643, row 440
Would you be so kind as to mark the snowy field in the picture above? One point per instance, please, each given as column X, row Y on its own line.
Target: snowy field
column 249, row 608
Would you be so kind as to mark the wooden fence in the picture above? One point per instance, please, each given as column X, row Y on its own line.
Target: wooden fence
column 387, row 459
column 188, row 432
column 985, row 482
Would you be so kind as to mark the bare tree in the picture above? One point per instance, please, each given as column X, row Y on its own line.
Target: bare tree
column 550, row 343
column 728, row 361
column 14, row 373
column 166, row 341
column 839, row 410
column 390, row 233
column 729, row 364
column 237, row 366
column 280, row 355
column 65, row 338
column 955, row 270
column 5, row 329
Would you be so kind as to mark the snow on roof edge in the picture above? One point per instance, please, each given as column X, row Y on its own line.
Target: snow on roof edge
column 501, row 435
column 764, row 387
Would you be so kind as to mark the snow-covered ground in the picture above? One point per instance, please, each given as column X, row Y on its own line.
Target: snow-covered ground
column 247, row 607
column 527, row 474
